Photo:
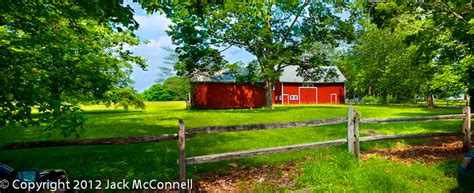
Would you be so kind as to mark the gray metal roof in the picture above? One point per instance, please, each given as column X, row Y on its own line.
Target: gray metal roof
column 289, row 75
column 221, row 76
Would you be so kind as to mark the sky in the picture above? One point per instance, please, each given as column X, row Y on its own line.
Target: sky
column 153, row 28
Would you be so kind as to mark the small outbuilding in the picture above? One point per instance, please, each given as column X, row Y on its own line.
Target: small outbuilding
column 222, row 91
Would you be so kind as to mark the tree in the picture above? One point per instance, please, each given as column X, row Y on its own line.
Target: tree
column 54, row 55
column 124, row 97
column 169, row 62
column 383, row 64
column 449, row 33
column 437, row 42
column 277, row 33
column 157, row 93
column 177, row 87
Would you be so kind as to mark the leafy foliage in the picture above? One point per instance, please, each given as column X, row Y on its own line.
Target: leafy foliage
column 276, row 33
column 124, row 97
column 157, row 93
column 410, row 49
column 55, row 55
column 177, row 87
column 174, row 88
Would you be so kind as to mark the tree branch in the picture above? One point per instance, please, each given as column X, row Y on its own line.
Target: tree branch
column 226, row 48
column 452, row 12
column 294, row 21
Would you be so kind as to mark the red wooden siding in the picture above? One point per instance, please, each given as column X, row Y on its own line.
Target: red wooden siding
column 228, row 95
column 325, row 91
column 231, row 95
column 291, row 89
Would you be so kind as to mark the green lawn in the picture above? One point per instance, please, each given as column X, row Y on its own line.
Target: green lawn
column 329, row 169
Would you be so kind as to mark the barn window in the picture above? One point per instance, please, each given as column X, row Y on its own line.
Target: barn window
column 276, row 98
column 294, row 97
column 308, row 85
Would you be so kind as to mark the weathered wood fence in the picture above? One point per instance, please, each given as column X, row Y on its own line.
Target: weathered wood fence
column 353, row 139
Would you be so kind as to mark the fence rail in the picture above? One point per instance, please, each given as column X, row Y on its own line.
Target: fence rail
column 410, row 136
column 100, row 141
column 265, row 151
column 425, row 118
column 212, row 129
column 353, row 140
column 233, row 128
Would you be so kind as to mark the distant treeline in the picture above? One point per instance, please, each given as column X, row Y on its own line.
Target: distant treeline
column 172, row 89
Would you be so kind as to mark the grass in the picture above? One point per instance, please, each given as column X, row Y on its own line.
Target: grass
column 330, row 168
column 343, row 173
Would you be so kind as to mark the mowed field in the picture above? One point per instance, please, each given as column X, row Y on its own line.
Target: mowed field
column 319, row 169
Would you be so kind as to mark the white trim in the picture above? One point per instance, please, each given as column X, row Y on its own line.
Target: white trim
column 283, row 98
column 282, row 93
column 308, row 87
column 345, row 93
column 336, row 98
column 299, row 102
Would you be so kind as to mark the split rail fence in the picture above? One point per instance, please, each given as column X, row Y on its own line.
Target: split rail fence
column 353, row 139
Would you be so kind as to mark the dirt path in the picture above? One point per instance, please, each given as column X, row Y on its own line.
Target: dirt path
column 428, row 152
column 241, row 178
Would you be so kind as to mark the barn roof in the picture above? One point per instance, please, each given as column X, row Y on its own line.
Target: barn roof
column 289, row 75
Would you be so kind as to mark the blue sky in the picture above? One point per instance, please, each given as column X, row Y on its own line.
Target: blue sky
column 153, row 28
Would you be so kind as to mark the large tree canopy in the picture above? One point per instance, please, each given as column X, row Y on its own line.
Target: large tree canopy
column 55, row 55
column 276, row 33
column 407, row 49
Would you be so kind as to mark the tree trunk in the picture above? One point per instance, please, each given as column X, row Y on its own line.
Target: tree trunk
column 430, row 101
column 384, row 98
column 268, row 94
column 471, row 98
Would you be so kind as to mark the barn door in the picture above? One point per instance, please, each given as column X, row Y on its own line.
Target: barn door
column 308, row 95
column 334, row 98
column 286, row 99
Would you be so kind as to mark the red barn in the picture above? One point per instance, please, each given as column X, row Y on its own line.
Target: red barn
column 224, row 92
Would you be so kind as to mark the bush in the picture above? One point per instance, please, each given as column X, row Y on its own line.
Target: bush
column 370, row 100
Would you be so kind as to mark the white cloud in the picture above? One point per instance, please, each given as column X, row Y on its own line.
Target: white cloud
column 153, row 28
column 152, row 25
column 154, row 54
column 162, row 41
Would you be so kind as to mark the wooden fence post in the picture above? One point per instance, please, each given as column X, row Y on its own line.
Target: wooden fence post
column 353, row 120
column 350, row 130
column 466, row 129
column 182, row 155
column 356, row 133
